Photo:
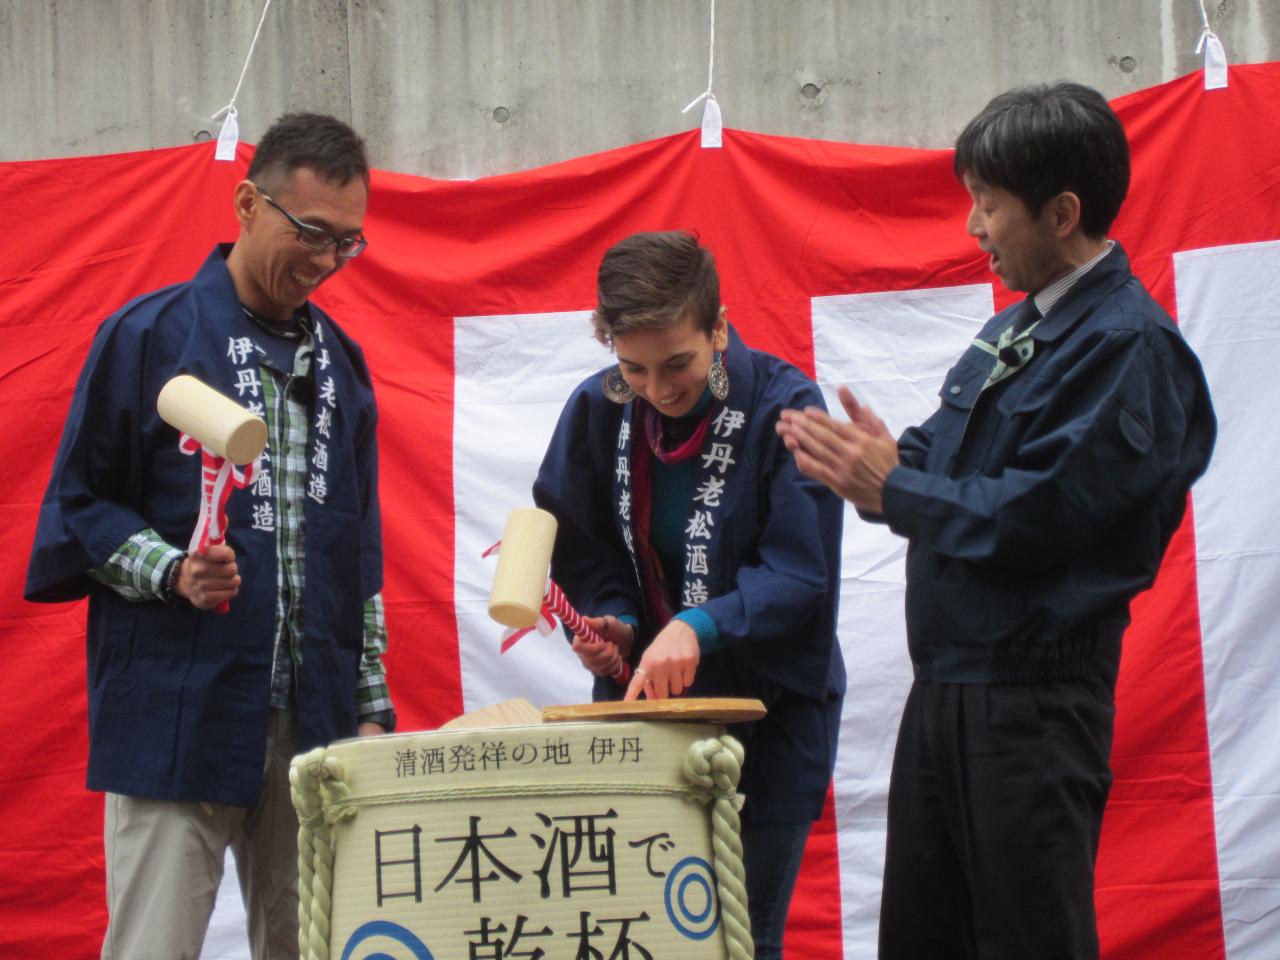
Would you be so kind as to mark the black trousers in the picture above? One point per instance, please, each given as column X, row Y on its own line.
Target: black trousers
column 995, row 807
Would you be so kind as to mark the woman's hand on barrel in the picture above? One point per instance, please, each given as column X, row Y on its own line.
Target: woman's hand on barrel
column 602, row 659
column 669, row 664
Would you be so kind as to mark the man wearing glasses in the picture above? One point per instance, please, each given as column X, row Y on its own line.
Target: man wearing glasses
column 194, row 715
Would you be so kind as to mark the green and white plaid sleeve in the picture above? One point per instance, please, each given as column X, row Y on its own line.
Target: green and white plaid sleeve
column 373, row 699
column 138, row 569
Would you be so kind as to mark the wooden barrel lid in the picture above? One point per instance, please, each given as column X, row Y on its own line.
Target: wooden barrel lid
column 714, row 709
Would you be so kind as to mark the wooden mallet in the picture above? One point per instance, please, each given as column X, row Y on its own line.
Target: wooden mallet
column 521, row 587
column 230, row 439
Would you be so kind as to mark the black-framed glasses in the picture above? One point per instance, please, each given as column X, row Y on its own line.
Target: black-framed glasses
column 318, row 239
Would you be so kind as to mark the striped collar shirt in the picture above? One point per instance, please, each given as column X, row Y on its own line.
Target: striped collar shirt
column 1050, row 295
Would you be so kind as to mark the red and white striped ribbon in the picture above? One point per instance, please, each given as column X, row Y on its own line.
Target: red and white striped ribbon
column 218, row 477
column 554, row 602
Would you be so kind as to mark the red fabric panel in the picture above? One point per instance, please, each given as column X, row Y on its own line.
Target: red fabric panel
column 94, row 233
column 813, row 926
column 788, row 219
column 1157, row 880
column 1201, row 177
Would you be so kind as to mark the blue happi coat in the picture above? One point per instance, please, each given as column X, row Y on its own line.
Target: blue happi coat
column 762, row 544
column 178, row 698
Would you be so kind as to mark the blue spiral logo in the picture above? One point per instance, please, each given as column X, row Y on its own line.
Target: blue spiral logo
column 691, row 901
column 393, row 932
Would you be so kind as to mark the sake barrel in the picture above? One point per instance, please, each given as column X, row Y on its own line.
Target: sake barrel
column 566, row 840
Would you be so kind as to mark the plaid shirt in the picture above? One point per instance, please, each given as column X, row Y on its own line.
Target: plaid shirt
column 139, row 568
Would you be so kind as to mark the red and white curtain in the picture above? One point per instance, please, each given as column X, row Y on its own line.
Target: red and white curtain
column 472, row 305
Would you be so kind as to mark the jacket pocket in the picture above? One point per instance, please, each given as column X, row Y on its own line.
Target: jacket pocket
column 959, row 392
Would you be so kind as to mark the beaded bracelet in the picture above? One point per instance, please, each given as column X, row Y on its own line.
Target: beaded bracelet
column 169, row 590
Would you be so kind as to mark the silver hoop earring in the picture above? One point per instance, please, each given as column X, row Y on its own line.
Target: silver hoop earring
column 615, row 386
column 718, row 378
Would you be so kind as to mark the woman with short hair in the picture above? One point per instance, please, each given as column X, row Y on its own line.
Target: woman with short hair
column 706, row 560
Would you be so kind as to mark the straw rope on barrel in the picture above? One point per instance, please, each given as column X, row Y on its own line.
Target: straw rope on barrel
column 317, row 786
column 715, row 767
column 708, row 776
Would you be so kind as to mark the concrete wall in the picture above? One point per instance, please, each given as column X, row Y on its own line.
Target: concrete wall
column 468, row 88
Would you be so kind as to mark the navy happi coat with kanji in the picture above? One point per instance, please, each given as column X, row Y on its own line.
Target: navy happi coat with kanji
column 762, row 548
column 179, row 698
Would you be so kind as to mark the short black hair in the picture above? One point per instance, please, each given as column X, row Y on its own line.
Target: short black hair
column 314, row 140
column 651, row 281
column 1039, row 141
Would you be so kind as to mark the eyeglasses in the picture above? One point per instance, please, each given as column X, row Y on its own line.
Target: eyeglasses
column 315, row 238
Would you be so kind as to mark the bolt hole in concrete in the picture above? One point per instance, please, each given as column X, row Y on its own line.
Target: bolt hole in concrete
column 810, row 90
column 202, row 136
column 501, row 114
column 1128, row 64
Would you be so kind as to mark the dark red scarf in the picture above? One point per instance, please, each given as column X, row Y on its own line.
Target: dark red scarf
column 657, row 590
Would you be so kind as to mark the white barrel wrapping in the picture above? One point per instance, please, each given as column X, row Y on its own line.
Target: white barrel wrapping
column 567, row 837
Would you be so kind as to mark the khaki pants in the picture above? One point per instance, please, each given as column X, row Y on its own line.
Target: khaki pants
column 164, row 863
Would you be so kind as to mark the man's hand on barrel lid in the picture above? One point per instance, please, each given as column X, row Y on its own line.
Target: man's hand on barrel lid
column 669, row 664
column 602, row 659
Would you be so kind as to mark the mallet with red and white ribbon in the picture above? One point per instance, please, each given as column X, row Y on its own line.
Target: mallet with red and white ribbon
column 523, row 597
column 230, row 440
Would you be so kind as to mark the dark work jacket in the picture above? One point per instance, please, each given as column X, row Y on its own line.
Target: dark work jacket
column 772, row 539
column 1036, row 509
column 178, row 698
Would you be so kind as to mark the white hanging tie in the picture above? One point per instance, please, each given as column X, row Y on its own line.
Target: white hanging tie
column 712, row 121
column 229, row 135
column 1215, row 57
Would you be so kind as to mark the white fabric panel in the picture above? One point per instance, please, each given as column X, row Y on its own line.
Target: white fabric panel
column 513, row 375
column 893, row 350
column 1229, row 310
column 227, row 938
